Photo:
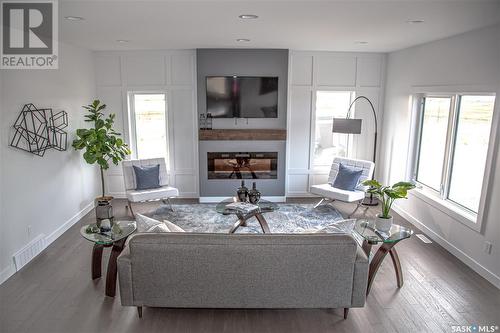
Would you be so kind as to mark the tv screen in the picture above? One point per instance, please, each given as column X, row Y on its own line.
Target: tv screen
column 242, row 96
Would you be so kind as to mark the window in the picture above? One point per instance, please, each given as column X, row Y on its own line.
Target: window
column 148, row 124
column 454, row 134
column 329, row 105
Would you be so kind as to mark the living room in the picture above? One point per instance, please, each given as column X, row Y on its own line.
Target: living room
column 250, row 166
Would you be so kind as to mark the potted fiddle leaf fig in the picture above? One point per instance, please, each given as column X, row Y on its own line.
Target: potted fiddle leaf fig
column 102, row 145
column 387, row 195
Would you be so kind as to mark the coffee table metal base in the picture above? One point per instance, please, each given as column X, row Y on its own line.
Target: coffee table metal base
column 242, row 222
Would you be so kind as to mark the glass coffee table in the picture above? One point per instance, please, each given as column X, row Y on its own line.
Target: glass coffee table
column 365, row 232
column 264, row 207
column 116, row 238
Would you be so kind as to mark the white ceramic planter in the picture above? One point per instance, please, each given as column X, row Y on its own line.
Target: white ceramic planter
column 383, row 224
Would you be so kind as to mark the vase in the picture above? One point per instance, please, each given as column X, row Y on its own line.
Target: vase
column 242, row 192
column 383, row 224
column 104, row 213
column 254, row 194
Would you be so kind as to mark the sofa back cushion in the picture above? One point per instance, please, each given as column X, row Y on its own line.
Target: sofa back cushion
column 242, row 271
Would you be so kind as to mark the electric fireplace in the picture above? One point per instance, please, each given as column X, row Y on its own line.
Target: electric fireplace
column 240, row 165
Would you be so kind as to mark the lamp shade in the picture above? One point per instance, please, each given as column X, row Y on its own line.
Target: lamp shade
column 347, row 126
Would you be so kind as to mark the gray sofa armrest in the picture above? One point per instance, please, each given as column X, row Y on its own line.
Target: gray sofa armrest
column 360, row 278
column 125, row 277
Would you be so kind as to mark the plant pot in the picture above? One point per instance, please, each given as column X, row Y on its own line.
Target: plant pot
column 383, row 224
column 104, row 213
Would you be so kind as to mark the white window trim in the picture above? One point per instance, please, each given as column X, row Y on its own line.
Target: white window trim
column 456, row 211
column 325, row 169
column 131, row 129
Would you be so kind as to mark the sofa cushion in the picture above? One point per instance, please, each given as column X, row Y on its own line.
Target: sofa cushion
column 144, row 223
column 327, row 191
column 147, row 176
column 152, row 194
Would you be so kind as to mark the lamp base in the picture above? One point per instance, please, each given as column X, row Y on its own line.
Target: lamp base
column 370, row 201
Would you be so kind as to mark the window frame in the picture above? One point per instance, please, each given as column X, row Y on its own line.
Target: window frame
column 132, row 129
column 350, row 143
column 440, row 199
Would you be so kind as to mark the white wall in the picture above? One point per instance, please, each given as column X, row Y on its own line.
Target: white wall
column 469, row 61
column 312, row 71
column 48, row 193
column 172, row 72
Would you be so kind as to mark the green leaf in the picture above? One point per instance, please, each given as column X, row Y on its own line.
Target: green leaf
column 372, row 183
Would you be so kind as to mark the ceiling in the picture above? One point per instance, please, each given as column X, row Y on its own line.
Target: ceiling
column 299, row 25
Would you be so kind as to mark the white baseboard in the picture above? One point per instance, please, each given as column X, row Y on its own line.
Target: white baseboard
column 68, row 224
column 219, row 199
column 462, row 256
column 7, row 272
column 11, row 269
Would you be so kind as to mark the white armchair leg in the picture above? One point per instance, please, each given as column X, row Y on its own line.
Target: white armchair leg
column 355, row 209
column 168, row 202
column 129, row 207
column 323, row 201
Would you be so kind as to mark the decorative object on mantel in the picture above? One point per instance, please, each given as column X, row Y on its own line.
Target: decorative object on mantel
column 353, row 126
column 242, row 192
column 387, row 195
column 254, row 194
column 37, row 130
column 202, row 121
column 102, row 144
column 209, row 121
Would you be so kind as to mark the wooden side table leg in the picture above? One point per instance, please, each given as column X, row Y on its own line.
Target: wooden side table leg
column 263, row 223
column 96, row 261
column 112, row 268
column 375, row 264
column 397, row 266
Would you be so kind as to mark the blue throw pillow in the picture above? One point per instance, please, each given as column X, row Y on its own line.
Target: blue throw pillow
column 347, row 178
column 147, row 177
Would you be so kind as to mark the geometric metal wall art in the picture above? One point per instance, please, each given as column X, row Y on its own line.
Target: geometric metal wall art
column 37, row 130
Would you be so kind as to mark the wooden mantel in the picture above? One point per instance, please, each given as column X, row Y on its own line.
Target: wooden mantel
column 243, row 134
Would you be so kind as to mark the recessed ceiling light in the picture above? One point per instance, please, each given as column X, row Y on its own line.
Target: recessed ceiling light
column 415, row 21
column 243, row 40
column 248, row 16
column 361, row 42
column 122, row 40
column 74, row 18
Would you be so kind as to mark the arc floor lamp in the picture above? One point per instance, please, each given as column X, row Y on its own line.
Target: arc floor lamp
column 353, row 126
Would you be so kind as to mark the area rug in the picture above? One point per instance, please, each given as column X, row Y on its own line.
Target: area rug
column 289, row 218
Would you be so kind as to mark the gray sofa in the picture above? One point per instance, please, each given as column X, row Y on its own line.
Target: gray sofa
column 189, row 270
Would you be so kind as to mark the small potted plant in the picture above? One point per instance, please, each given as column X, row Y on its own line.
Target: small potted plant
column 387, row 195
column 102, row 144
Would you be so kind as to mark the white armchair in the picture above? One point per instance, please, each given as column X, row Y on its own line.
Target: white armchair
column 329, row 193
column 163, row 193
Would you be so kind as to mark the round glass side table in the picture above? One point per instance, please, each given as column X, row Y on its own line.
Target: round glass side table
column 366, row 233
column 114, row 238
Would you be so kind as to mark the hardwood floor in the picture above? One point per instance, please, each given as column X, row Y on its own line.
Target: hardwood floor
column 55, row 293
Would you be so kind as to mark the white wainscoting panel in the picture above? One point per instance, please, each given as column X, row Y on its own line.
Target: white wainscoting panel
column 312, row 71
column 171, row 71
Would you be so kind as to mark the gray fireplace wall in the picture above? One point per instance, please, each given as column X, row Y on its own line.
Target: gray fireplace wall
column 227, row 187
column 243, row 62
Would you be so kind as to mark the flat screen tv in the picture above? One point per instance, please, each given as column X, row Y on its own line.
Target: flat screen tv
column 242, row 96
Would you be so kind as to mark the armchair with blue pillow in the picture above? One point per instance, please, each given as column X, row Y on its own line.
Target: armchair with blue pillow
column 345, row 182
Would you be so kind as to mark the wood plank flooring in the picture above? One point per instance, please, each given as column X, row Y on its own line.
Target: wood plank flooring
column 55, row 293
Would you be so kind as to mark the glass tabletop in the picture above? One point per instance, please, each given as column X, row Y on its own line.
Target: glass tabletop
column 120, row 230
column 366, row 229
column 264, row 206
